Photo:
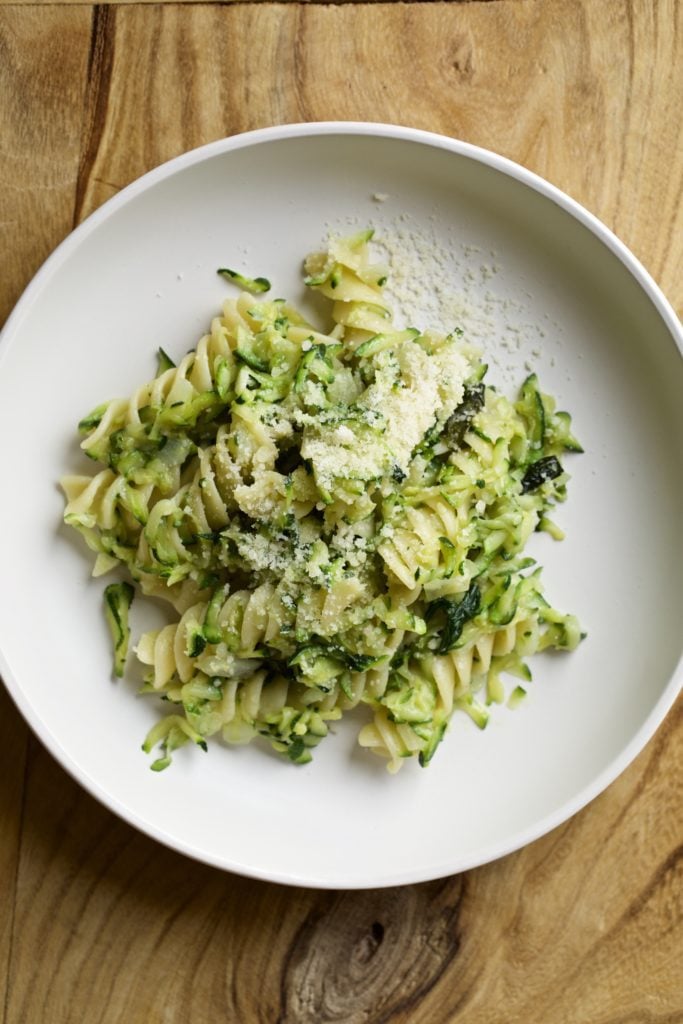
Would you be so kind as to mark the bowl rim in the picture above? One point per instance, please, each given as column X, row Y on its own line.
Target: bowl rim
column 506, row 166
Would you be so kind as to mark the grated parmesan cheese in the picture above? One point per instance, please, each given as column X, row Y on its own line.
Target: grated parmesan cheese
column 439, row 281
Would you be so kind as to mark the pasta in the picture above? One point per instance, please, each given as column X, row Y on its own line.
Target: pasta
column 338, row 519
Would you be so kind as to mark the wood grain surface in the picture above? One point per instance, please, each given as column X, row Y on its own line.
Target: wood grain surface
column 100, row 925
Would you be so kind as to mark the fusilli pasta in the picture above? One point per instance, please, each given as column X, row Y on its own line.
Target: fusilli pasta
column 338, row 517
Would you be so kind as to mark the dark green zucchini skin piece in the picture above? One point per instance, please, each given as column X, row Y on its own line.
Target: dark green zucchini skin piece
column 164, row 361
column 456, row 614
column 547, row 468
column 459, row 422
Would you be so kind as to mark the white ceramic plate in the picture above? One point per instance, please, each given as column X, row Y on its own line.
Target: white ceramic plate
column 540, row 281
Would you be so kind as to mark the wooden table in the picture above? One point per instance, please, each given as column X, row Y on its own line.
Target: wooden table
column 100, row 924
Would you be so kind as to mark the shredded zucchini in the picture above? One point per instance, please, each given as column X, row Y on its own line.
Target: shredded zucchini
column 338, row 516
column 118, row 598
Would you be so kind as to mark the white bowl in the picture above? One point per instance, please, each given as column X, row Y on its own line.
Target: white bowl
column 541, row 281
